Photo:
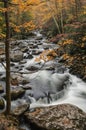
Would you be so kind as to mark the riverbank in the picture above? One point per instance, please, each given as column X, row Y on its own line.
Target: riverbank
column 8, row 123
column 76, row 64
column 72, row 53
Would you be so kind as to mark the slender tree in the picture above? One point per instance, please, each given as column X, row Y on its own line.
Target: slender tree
column 7, row 42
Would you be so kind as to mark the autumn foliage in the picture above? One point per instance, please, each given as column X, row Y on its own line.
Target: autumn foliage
column 32, row 14
column 21, row 20
column 46, row 55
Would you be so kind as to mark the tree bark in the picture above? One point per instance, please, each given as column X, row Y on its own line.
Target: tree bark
column 7, row 42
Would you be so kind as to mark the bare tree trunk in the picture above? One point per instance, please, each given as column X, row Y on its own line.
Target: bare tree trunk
column 62, row 24
column 55, row 21
column 7, row 42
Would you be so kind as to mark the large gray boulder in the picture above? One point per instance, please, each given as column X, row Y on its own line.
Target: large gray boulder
column 16, row 56
column 60, row 117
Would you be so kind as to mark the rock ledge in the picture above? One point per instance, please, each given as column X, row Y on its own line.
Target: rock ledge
column 60, row 117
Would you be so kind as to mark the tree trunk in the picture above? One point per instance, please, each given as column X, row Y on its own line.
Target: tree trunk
column 55, row 21
column 7, row 42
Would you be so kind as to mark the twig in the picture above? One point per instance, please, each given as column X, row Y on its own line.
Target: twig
column 3, row 65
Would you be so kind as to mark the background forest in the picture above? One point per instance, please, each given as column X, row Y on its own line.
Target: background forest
column 55, row 16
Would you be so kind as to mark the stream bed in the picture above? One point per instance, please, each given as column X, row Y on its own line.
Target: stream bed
column 45, row 83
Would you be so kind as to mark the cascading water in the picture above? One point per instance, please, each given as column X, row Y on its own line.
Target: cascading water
column 74, row 92
column 48, row 87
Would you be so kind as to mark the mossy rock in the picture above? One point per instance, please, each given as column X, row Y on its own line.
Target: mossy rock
column 17, row 93
column 1, row 89
column 59, row 117
column 2, row 103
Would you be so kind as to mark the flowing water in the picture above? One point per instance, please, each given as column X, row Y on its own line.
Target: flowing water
column 49, row 86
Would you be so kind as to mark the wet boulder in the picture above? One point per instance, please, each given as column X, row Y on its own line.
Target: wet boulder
column 2, row 51
column 32, row 68
column 52, row 68
column 20, row 110
column 27, row 87
column 12, row 64
column 3, row 77
column 60, row 117
column 1, row 89
column 2, row 103
column 2, row 58
column 25, row 82
column 30, row 56
column 14, row 82
column 36, row 52
column 17, row 93
column 16, row 79
column 35, row 46
column 39, row 37
column 16, row 56
column 22, row 62
column 25, row 49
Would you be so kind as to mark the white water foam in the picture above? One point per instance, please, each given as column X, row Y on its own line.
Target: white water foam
column 74, row 94
column 2, row 69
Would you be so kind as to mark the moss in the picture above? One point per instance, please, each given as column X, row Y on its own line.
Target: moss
column 2, row 104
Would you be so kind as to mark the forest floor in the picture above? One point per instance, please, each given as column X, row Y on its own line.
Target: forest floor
column 73, row 55
column 75, row 62
column 8, row 123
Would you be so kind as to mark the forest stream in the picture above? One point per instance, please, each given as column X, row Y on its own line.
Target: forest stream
column 45, row 83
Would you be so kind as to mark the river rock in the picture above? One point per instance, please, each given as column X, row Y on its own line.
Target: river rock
column 25, row 81
column 27, row 87
column 2, row 103
column 30, row 56
column 17, row 78
column 3, row 77
column 20, row 110
column 2, row 58
column 39, row 42
column 32, row 68
column 39, row 37
column 12, row 64
column 36, row 52
column 1, row 89
column 60, row 117
column 50, row 68
column 22, row 62
column 2, row 50
column 16, row 56
column 33, row 46
column 14, row 82
column 25, row 49
column 17, row 93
